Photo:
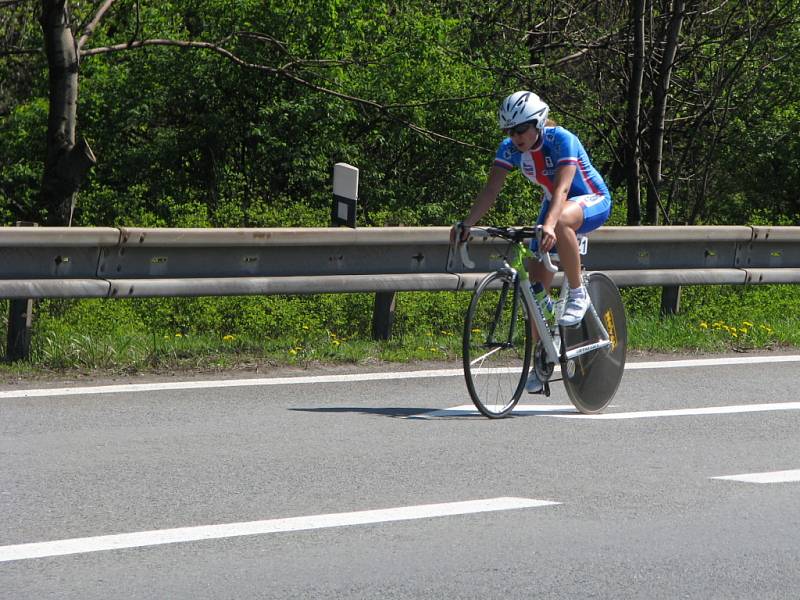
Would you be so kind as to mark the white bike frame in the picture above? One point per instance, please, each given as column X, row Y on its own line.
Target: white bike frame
column 551, row 343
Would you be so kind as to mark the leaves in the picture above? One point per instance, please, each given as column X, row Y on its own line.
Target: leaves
column 185, row 136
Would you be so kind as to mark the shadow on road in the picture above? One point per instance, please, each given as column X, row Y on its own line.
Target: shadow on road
column 366, row 410
column 433, row 414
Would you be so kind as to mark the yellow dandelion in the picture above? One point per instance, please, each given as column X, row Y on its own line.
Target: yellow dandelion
column 704, row 325
column 228, row 338
column 743, row 330
column 336, row 342
column 733, row 333
column 292, row 351
column 747, row 323
column 178, row 335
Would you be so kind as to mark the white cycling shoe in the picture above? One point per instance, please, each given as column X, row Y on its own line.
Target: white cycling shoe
column 534, row 385
column 574, row 311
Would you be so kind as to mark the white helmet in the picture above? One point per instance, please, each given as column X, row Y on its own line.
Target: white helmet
column 522, row 107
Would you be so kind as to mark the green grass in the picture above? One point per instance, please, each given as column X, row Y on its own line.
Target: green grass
column 129, row 336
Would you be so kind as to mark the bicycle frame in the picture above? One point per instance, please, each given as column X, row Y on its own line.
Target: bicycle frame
column 550, row 342
column 590, row 382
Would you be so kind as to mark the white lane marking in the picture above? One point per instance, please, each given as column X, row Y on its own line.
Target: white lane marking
column 229, row 530
column 469, row 410
column 712, row 362
column 317, row 379
column 684, row 412
column 771, row 477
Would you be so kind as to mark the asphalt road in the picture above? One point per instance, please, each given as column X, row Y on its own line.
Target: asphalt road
column 633, row 507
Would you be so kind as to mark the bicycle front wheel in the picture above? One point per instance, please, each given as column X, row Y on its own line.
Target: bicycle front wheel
column 497, row 345
column 592, row 379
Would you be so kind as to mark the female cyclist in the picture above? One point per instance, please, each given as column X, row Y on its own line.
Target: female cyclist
column 576, row 199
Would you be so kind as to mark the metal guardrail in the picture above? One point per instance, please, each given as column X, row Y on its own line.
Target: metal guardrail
column 129, row 262
column 59, row 262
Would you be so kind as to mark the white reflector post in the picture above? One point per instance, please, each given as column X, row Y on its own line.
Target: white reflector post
column 345, row 195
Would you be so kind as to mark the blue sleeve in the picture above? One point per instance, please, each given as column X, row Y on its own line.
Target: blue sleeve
column 566, row 147
column 507, row 157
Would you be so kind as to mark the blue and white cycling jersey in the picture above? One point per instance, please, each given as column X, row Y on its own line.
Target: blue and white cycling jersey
column 555, row 148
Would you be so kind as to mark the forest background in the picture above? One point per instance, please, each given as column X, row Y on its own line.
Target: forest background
column 221, row 113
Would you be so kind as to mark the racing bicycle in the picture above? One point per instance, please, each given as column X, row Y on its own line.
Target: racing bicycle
column 498, row 349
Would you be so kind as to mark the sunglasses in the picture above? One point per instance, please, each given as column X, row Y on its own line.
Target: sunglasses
column 519, row 129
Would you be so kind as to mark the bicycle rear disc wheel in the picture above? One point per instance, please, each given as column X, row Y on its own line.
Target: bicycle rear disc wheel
column 497, row 346
column 592, row 379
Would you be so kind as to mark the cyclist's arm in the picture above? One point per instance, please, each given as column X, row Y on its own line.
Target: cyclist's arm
column 487, row 196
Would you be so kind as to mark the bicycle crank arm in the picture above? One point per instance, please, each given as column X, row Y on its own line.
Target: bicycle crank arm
column 585, row 349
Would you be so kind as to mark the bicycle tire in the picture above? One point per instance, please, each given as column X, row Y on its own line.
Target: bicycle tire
column 496, row 359
column 591, row 380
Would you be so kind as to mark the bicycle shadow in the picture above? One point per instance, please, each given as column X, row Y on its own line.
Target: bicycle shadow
column 465, row 412
column 392, row 411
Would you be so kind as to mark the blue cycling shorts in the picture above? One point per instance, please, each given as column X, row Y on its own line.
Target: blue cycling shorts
column 596, row 210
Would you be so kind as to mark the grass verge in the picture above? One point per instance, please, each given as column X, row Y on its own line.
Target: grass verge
column 131, row 336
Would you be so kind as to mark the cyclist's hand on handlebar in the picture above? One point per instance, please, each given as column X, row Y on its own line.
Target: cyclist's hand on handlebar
column 548, row 238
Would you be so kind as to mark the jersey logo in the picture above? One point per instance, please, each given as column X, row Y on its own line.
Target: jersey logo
column 548, row 161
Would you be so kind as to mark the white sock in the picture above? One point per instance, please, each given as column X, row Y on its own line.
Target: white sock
column 578, row 292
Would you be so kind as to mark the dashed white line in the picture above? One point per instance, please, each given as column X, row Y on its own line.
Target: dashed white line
column 229, row 530
column 769, row 477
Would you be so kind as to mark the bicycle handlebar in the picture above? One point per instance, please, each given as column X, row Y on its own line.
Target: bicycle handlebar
column 512, row 234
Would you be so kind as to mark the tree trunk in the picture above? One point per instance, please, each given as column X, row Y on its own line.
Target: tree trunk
column 660, row 110
column 67, row 162
column 632, row 119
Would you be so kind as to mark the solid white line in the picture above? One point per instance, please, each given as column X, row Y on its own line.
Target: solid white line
column 229, row 530
column 225, row 383
column 684, row 412
column 772, row 477
column 712, row 362
column 317, row 379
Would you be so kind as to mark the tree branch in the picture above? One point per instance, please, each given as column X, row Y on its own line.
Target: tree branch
column 224, row 52
column 94, row 22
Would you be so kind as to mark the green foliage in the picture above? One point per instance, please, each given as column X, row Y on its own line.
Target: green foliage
column 186, row 138
column 145, row 334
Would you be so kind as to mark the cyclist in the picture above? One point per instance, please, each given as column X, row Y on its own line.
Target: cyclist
column 576, row 199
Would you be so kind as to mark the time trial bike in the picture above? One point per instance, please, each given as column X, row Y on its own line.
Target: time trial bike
column 498, row 350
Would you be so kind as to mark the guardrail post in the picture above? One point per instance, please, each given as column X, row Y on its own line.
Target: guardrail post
column 383, row 315
column 20, row 320
column 345, row 199
column 670, row 300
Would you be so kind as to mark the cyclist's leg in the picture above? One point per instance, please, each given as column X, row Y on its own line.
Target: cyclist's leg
column 536, row 270
column 569, row 222
column 581, row 215
column 537, row 273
